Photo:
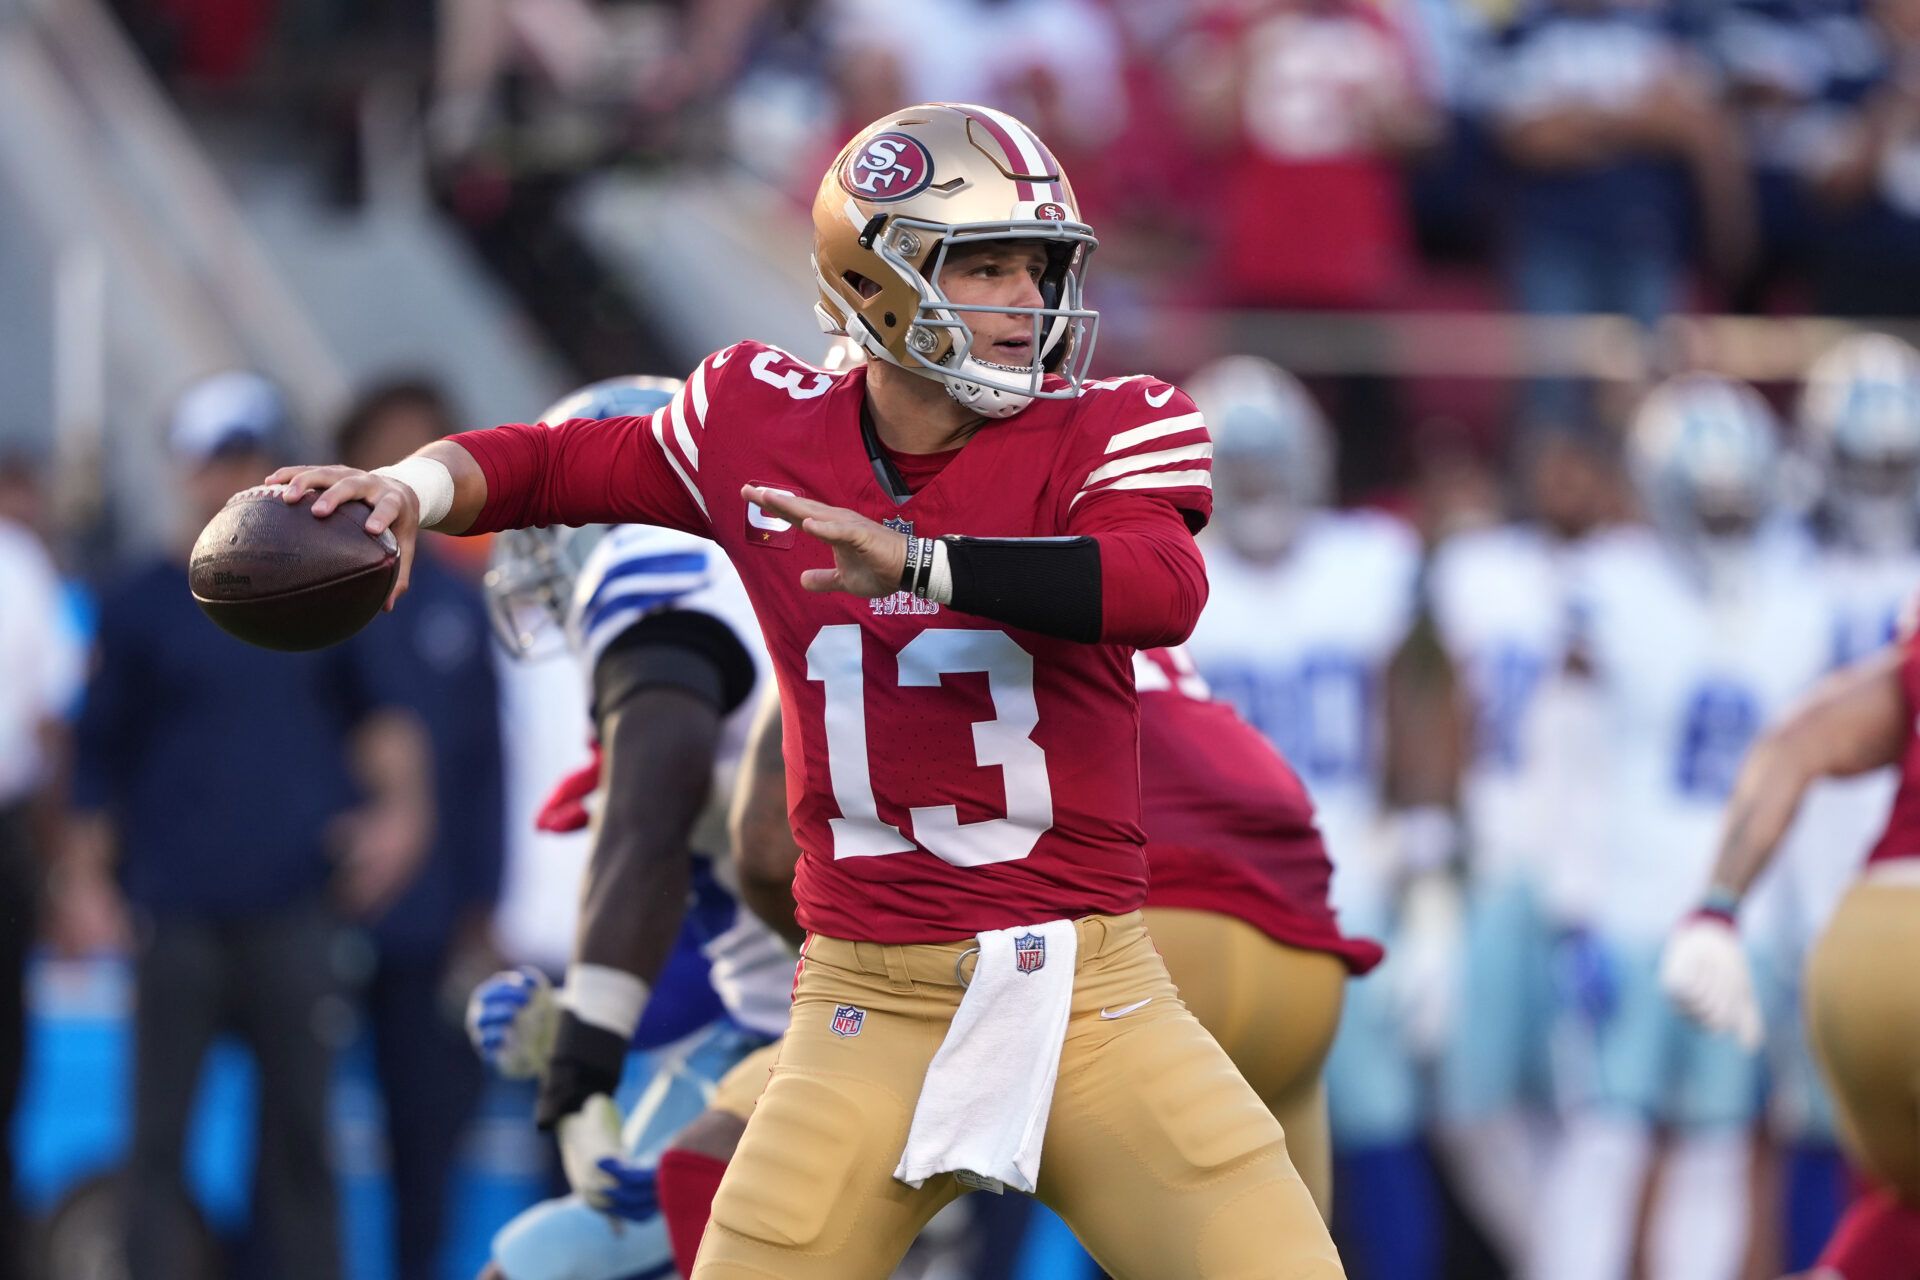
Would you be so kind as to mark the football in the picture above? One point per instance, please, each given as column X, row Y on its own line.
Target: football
column 272, row 575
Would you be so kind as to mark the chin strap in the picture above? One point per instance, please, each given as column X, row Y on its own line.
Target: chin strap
column 977, row 397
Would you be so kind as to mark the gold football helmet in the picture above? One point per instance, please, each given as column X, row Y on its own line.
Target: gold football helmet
column 896, row 201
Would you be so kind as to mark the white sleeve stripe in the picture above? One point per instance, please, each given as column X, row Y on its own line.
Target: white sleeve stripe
column 699, row 388
column 1141, row 461
column 1153, row 480
column 1154, row 430
column 660, row 434
column 680, row 432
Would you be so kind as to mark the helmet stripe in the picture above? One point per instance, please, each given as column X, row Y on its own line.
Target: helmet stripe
column 995, row 124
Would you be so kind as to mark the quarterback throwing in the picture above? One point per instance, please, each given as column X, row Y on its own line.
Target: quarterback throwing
column 952, row 552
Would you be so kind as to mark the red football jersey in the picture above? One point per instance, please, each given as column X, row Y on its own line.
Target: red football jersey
column 946, row 774
column 1229, row 826
column 1902, row 836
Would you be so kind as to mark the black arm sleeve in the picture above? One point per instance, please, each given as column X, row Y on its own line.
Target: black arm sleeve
column 686, row 650
column 586, row 1060
column 1048, row 585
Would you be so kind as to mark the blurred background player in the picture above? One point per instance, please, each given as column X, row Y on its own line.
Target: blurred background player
column 1308, row 606
column 1691, row 635
column 238, row 878
column 1498, row 598
column 433, row 940
column 1237, row 900
column 44, row 668
column 1860, row 430
column 671, row 653
column 1862, row 1004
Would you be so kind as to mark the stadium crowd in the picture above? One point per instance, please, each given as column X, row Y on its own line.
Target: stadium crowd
column 1515, row 644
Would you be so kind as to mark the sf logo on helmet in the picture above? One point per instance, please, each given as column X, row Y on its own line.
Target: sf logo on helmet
column 891, row 166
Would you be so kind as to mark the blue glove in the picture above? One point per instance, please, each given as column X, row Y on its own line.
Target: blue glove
column 511, row 1020
column 1584, row 973
column 631, row 1194
column 592, row 1153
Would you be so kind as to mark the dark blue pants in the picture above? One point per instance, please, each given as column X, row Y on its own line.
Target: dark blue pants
column 430, row 1080
column 19, row 882
column 270, row 977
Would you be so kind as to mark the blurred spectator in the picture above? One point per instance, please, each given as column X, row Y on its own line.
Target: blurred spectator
column 434, row 941
column 215, row 789
column 1614, row 134
column 42, row 671
column 1055, row 64
column 1776, row 69
column 1868, row 258
column 1310, row 108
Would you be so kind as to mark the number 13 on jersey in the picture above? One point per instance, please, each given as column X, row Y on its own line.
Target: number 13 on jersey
column 835, row 658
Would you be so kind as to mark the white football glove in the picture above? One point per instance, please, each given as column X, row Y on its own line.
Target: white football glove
column 1705, row 972
column 511, row 1020
column 596, row 1162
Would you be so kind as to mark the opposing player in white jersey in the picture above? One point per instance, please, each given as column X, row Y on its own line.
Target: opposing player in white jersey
column 1694, row 633
column 662, row 629
column 1309, row 606
column 1860, row 428
column 1498, row 599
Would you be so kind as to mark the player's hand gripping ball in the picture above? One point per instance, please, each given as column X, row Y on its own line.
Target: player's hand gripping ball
column 272, row 575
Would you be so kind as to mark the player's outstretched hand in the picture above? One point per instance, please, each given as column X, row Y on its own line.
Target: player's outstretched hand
column 395, row 506
column 868, row 558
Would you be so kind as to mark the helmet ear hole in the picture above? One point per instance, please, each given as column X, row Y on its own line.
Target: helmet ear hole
column 860, row 284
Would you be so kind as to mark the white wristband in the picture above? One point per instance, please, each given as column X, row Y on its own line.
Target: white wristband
column 608, row 998
column 940, row 577
column 431, row 483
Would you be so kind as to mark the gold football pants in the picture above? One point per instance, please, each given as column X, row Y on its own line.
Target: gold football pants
column 1274, row 1009
column 1863, row 1017
column 1157, row 1153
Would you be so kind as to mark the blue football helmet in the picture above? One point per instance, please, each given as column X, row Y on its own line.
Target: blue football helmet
column 1705, row 455
column 1272, row 452
column 531, row 572
column 1860, row 425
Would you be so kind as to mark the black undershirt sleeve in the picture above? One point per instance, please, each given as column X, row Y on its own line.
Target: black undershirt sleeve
column 1047, row 585
column 680, row 648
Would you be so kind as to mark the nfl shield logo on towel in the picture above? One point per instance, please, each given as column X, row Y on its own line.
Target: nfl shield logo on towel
column 847, row 1019
column 1029, row 952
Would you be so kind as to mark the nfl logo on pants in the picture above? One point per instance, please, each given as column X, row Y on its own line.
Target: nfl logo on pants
column 1029, row 952
column 847, row 1019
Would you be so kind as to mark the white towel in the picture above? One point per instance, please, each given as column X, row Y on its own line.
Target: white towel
column 983, row 1107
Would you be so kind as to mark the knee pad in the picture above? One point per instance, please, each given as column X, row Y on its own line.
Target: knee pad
column 1209, row 1114
column 796, row 1159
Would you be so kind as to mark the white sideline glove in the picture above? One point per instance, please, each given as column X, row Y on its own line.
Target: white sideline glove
column 1423, row 962
column 1704, row 970
column 511, row 1020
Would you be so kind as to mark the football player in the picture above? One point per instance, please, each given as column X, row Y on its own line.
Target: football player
column 1692, row 635
column 1860, row 428
column 1862, row 1003
column 1309, row 607
column 1498, row 601
column 662, row 630
column 1237, row 904
column 962, row 718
